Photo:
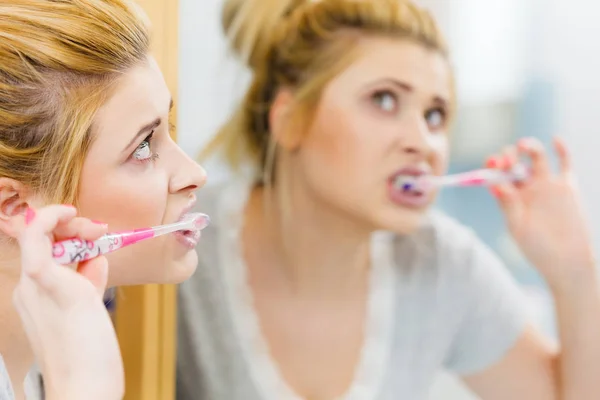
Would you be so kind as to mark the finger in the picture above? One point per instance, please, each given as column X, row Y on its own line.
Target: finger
column 534, row 149
column 564, row 157
column 81, row 228
column 509, row 158
column 96, row 271
column 68, row 287
column 509, row 201
column 503, row 160
column 36, row 248
column 493, row 162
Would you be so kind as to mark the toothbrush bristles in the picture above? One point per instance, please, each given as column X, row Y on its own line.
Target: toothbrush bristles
column 201, row 221
column 195, row 222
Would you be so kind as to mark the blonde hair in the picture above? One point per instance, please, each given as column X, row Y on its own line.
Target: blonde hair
column 302, row 45
column 60, row 61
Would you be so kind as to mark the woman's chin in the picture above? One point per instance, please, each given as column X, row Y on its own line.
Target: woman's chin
column 183, row 269
column 173, row 272
column 402, row 221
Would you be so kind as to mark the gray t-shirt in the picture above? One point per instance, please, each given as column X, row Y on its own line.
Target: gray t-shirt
column 33, row 384
column 6, row 392
column 440, row 299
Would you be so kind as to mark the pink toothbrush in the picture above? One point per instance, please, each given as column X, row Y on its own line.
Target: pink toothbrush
column 480, row 177
column 76, row 250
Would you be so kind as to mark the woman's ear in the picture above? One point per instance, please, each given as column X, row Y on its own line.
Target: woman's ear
column 285, row 133
column 13, row 204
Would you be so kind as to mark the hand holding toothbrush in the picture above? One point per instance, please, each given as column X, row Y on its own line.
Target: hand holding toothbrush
column 62, row 309
column 63, row 314
column 544, row 213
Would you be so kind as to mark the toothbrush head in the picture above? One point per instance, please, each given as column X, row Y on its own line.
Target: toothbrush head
column 196, row 221
column 410, row 183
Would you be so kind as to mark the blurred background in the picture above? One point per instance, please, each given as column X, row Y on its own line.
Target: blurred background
column 523, row 67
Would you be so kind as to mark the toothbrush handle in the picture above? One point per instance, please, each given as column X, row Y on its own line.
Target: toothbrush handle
column 518, row 173
column 485, row 177
column 480, row 177
column 75, row 250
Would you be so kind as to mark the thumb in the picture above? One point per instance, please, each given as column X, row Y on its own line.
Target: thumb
column 510, row 203
column 95, row 271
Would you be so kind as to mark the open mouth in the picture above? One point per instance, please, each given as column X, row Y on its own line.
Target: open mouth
column 192, row 234
column 410, row 182
column 189, row 239
column 409, row 185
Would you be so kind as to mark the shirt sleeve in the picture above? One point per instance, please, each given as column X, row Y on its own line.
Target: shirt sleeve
column 493, row 312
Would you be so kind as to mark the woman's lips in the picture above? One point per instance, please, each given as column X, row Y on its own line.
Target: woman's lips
column 408, row 198
column 188, row 239
column 191, row 238
column 407, row 195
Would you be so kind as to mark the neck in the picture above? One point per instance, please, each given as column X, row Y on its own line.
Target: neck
column 320, row 251
column 14, row 346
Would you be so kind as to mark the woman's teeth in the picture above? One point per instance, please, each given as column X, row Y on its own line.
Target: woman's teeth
column 409, row 191
column 403, row 182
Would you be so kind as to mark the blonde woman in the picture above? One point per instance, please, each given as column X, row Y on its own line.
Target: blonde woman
column 320, row 278
column 84, row 113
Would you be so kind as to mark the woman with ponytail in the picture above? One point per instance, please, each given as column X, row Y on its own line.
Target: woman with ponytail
column 321, row 278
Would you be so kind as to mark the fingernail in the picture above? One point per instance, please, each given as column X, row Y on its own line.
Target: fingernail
column 100, row 223
column 29, row 215
column 496, row 192
column 491, row 163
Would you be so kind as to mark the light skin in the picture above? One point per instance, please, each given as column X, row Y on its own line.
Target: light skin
column 561, row 250
column 128, row 193
column 123, row 185
column 335, row 176
column 60, row 306
column 383, row 113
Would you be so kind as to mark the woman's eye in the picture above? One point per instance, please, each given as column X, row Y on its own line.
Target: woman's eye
column 386, row 101
column 143, row 151
column 435, row 118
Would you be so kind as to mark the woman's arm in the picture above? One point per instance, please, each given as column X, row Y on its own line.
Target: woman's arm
column 544, row 216
column 529, row 371
column 536, row 369
column 578, row 309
